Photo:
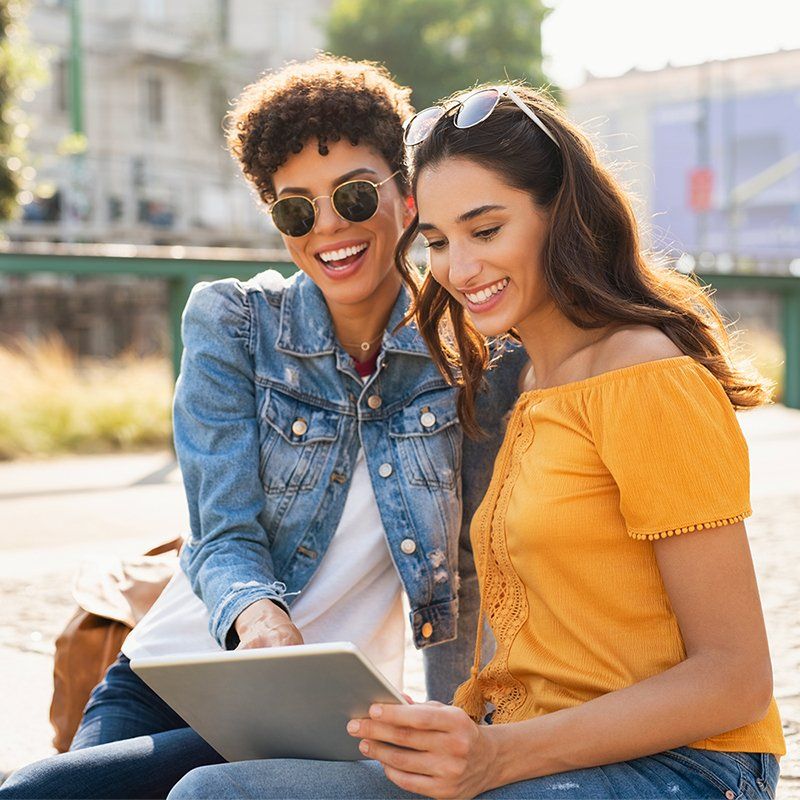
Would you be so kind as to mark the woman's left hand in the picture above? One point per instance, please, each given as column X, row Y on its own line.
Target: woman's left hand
column 428, row 748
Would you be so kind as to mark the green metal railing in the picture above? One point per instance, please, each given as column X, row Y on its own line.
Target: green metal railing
column 787, row 288
column 180, row 273
column 182, row 268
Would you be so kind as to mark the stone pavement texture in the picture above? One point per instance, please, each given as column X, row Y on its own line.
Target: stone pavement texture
column 56, row 514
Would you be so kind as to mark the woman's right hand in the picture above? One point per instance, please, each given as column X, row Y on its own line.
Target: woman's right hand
column 265, row 624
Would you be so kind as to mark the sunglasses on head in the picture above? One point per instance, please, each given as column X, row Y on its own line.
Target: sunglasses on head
column 467, row 112
column 353, row 201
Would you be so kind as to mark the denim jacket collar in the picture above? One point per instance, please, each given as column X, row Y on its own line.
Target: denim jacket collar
column 306, row 329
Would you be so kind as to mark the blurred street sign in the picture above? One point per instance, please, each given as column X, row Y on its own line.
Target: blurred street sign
column 701, row 187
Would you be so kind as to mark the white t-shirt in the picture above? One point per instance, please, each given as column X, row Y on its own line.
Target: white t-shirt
column 355, row 595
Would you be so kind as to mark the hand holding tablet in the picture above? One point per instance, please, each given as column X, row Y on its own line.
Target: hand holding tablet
column 279, row 702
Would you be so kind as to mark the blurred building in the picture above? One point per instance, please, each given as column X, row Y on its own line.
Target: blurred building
column 713, row 151
column 157, row 76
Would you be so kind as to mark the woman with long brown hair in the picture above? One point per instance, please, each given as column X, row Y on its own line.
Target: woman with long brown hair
column 611, row 550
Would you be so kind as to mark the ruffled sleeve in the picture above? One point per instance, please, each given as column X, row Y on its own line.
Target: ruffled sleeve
column 669, row 436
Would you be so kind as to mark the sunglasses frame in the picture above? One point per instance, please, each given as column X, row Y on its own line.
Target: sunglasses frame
column 502, row 91
column 313, row 202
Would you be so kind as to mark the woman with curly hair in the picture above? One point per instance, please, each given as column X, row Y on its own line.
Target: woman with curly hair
column 320, row 447
column 631, row 658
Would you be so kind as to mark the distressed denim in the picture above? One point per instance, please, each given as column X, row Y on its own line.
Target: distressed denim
column 269, row 415
column 682, row 774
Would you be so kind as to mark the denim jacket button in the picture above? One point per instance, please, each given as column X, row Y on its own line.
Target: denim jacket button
column 428, row 419
column 385, row 470
column 374, row 401
column 427, row 630
column 408, row 546
column 299, row 427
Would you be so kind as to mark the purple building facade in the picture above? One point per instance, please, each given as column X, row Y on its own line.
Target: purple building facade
column 712, row 150
column 726, row 173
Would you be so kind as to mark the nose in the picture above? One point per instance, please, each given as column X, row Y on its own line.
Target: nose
column 465, row 266
column 328, row 221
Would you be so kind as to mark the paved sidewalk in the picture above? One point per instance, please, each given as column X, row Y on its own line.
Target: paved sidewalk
column 55, row 514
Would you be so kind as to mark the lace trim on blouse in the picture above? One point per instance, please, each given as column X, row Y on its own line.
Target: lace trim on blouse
column 508, row 608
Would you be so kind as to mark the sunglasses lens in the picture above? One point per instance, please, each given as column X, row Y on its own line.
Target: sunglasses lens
column 356, row 201
column 476, row 108
column 421, row 125
column 294, row 216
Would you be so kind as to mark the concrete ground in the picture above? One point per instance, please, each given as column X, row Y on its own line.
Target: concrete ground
column 55, row 514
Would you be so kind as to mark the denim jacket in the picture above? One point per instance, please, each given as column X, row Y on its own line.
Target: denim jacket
column 269, row 415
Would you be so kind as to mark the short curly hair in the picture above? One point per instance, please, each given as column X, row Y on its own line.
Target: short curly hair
column 327, row 98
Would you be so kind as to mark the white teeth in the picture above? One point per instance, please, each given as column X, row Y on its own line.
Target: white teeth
column 345, row 252
column 484, row 294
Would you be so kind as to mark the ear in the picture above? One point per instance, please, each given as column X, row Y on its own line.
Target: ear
column 410, row 211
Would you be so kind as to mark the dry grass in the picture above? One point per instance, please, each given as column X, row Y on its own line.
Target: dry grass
column 52, row 403
column 764, row 350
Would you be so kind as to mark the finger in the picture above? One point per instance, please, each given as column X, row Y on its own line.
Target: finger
column 408, row 698
column 398, row 757
column 412, row 782
column 411, row 738
column 424, row 716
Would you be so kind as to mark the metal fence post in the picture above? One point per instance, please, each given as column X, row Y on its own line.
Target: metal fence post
column 179, row 291
column 791, row 342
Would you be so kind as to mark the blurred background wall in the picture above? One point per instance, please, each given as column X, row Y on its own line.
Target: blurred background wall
column 155, row 80
column 122, row 132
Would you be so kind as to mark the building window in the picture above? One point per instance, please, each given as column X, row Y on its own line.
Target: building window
column 116, row 209
column 43, row 209
column 154, row 101
column 158, row 213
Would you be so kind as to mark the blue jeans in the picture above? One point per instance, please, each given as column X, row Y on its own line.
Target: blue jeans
column 684, row 773
column 130, row 743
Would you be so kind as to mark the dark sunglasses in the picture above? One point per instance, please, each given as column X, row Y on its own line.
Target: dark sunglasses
column 471, row 110
column 353, row 201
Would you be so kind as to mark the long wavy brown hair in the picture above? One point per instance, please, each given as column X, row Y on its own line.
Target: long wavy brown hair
column 594, row 266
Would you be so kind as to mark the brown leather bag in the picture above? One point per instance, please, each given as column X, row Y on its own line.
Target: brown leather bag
column 112, row 596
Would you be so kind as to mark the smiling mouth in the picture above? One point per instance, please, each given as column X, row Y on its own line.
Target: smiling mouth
column 485, row 295
column 341, row 259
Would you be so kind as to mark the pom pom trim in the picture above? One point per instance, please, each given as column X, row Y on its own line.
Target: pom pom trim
column 717, row 523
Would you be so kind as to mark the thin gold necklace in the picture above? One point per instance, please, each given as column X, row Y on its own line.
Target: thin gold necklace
column 365, row 345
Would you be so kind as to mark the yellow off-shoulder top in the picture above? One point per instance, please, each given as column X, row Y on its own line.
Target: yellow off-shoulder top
column 589, row 474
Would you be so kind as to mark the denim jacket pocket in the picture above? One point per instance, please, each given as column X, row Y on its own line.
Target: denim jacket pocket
column 295, row 443
column 427, row 435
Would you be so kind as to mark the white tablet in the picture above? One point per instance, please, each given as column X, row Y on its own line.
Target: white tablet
column 279, row 702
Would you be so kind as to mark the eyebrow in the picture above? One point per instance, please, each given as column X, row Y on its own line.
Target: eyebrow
column 466, row 216
column 336, row 182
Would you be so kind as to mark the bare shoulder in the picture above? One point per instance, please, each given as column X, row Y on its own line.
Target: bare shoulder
column 632, row 344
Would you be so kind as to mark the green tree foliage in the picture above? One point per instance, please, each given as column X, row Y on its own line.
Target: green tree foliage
column 440, row 46
column 20, row 67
